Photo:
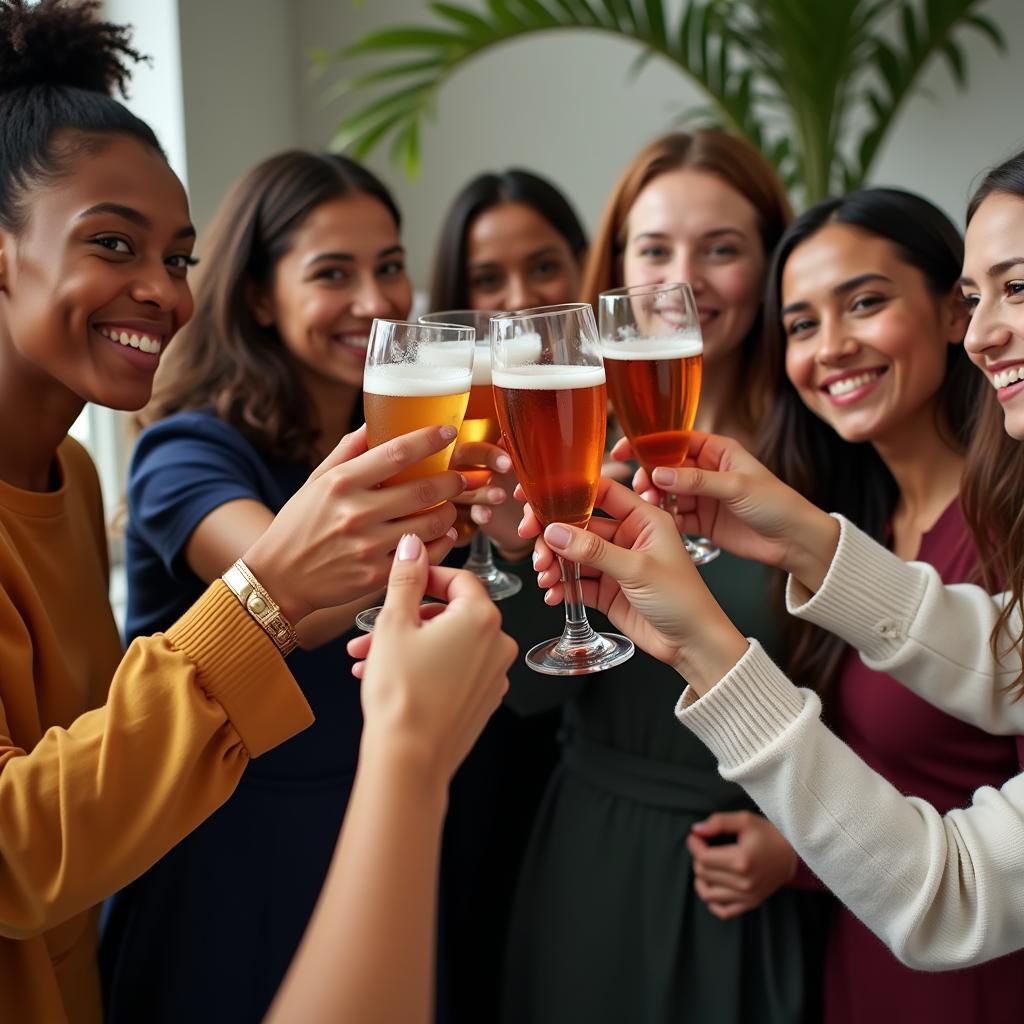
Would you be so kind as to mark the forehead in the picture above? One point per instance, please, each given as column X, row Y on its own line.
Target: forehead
column 124, row 171
column 509, row 232
column 833, row 255
column 687, row 203
column 996, row 233
column 359, row 224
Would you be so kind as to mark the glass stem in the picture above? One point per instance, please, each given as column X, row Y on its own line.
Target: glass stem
column 577, row 629
column 481, row 554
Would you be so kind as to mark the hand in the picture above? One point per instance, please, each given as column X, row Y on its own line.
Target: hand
column 725, row 494
column 333, row 541
column 478, row 461
column 637, row 572
column 737, row 877
column 431, row 682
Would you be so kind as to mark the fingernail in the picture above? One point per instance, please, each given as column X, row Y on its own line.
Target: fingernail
column 504, row 463
column 535, row 558
column 409, row 548
column 479, row 516
column 449, row 433
column 465, row 481
column 496, row 494
column 664, row 477
column 557, row 536
column 452, row 534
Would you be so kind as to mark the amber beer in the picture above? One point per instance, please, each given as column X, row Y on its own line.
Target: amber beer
column 399, row 398
column 654, row 384
column 553, row 419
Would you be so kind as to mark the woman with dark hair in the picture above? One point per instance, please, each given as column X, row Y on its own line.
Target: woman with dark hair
column 106, row 761
column 304, row 254
column 704, row 208
column 875, row 409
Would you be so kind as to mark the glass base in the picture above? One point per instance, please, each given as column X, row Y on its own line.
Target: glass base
column 367, row 618
column 498, row 584
column 563, row 657
column 701, row 550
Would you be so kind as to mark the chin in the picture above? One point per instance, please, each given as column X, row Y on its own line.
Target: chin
column 1014, row 423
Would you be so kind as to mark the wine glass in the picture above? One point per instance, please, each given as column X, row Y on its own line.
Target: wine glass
column 552, row 404
column 417, row 375
column 480, row 424
column 653, row 359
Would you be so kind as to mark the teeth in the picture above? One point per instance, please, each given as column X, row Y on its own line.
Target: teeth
column 1004, row 378
column 143, row 342
column 848, row 384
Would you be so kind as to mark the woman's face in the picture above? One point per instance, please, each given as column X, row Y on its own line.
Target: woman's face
column 866, row 338
column 993, row 285
column 690, row 226
column 345, row 266
column 517, row 260
column 94, row 286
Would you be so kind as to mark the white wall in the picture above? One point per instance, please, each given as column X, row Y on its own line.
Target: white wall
column 561, row 103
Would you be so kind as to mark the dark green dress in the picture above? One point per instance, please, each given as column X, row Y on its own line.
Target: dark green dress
column 606, row 926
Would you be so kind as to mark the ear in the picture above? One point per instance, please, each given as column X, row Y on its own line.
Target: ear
column 6, row 253
column 261, row 304
column 955, row 315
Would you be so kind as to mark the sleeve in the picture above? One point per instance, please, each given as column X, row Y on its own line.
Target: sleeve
column 181, row 470
column 941, row 891
column 92, row 806
column 933, row 637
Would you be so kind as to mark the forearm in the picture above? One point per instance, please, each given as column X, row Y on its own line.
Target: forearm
column 325, row 625
column 378, row 904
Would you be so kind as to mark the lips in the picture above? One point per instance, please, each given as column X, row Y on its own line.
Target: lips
column 1005, row 377
column 844, row 384
column 132, row 337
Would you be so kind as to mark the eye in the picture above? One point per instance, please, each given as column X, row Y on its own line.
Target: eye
column 546, row 268
column 393, row 268
column 333, row 275
column 971, row 302
column 799, row 327
column 654, row 252
column 113, row 243
column 1014, row 289
column 181, row 261
column 723, row 252
column 863, row 303
column 485, row 282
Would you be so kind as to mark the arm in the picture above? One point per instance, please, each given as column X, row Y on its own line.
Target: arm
column 940, row 891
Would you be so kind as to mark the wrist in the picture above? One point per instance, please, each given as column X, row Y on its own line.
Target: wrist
column 809, row 558
column 256, row 600
column 712, row 654
column 292, row 606
column 407, row 761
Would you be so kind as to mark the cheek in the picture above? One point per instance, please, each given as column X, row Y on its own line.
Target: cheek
column 399, row 293
column 800, row 366
column 563, row 288
column 637, row 272
column 739, row 287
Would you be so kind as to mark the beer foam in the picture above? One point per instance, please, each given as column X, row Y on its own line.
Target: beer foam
column 481, row 365
column 548, row 377
column 681, row 347
column 416, row 380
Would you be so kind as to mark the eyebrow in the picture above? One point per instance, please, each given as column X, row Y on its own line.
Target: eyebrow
column 129, row 213
column 321, row 257
column 546, row 251
column 841, row 289
column 997, row 269
column 713, row 233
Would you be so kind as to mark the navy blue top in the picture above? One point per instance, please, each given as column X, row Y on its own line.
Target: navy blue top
column 208, row 932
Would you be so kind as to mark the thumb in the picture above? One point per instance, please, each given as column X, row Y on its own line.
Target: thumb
column 347, row 448
column 694, row 481
column 722, row 823
column 406, row 583
column 587, row 548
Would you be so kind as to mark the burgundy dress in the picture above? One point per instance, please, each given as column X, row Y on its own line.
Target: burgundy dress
column 926, row 753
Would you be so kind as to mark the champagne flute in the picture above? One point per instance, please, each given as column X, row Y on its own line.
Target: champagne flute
column 653, row 358
column 480, row 424
column 417, row 375
column 549, row 389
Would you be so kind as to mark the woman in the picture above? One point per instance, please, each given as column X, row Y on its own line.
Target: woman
column 707, row 209
column 874, row 413
column 108, row 761
column 304, row 254
column 508, row 240
column 942, row 891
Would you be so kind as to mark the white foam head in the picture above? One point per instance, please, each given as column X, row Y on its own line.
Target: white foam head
column 416, row 380
column 682, row 346
column 548, row 377
column 482, row 364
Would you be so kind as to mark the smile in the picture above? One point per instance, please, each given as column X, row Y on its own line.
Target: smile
column 846, row 385
column 135, row 339
column 1004, row 378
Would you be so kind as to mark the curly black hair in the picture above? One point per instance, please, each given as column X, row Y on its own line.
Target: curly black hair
column 59, row 66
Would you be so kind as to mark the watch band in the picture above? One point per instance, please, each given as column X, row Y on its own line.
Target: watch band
column 259, row 604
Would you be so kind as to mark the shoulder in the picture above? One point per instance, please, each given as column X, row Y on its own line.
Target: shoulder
column 197, row 439
column 77, row 465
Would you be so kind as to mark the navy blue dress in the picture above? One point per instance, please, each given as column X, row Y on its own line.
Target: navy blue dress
column 207, row 933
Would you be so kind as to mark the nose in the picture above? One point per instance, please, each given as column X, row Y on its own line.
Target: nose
column 686, row 267
column 370, row 300
column 835, row 343
column 519, row 295
column 155, row 286
column 986, row 333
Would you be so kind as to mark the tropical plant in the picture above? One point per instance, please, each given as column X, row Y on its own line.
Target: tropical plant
column 814, row 84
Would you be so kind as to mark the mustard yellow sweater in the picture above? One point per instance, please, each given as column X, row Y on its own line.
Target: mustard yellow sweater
column 105, row 763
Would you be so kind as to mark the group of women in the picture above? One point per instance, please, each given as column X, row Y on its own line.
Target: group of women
column 595, row 861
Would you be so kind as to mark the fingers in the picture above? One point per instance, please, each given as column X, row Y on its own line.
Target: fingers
column 406, row 584
column 622, row 450
column 386, row 460
column 413, row 496
column 729, row 822
column 346, row 449
column 438, row 550
column 727, row 858
column 723, row 903
column 530, row 526
column 590, row 549
column 473, row 454
column 697, row 482
column 483, row 496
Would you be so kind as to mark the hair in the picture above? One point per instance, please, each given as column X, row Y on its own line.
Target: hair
column 59, row 67
column 993, row 488
column 740, row 166
column 449, row 288
column 804, row 450
column 224, row 358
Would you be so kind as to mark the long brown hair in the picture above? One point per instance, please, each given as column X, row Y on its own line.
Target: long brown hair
column 993, row 488
column 804, row 450
column 224, row 358
column 742, row 168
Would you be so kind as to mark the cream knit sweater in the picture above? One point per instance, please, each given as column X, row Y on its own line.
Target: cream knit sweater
column 942, row 891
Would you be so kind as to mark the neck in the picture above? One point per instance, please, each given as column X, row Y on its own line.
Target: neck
column 36, row 412
column 332, row 404
column 718, row 412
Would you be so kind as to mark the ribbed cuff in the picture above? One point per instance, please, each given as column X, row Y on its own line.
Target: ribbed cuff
column 869, row 596
column 748, row 709
column 239, row 667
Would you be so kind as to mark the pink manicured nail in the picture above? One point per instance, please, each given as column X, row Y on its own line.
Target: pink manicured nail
column 664, row 477
column 452, row 534
column 557, row 536
column 503, row 463
column 409, row 548
column 448, row 433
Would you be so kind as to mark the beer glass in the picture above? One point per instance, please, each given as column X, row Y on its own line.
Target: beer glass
column 549, row 388
column 480, row 424
column 653, row 356
column 417, row 375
